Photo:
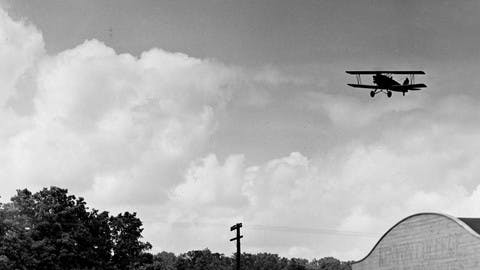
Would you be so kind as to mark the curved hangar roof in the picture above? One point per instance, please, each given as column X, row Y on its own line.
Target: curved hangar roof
column 427, row 241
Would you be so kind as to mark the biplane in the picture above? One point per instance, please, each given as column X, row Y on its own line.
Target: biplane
column 384, row 83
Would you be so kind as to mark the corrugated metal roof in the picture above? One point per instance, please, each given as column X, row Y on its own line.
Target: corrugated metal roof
column 472, row 225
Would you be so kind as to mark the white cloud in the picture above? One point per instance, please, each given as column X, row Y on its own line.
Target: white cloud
column 350, row 112
column 210, row 184
column 21, row 45
column 422, row 160
column 110, row 126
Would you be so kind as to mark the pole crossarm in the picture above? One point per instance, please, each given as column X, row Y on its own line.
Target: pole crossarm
column 234, row 227
column 235, row 238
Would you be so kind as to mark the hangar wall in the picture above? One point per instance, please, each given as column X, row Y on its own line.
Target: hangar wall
column 426, row 241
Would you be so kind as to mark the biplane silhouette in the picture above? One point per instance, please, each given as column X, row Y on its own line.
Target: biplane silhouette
column 384, row 83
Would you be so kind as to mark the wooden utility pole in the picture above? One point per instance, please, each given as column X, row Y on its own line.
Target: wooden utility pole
column 237, row 227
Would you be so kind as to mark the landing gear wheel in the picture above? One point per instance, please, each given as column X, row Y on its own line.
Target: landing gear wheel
column 389, row 94
column 372, row 94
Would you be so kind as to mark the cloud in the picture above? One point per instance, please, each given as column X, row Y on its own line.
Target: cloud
column 21, row 45
column 341, row 200
column 210, row 184
column 274, row 76
column 350, row 112
column 114, row 127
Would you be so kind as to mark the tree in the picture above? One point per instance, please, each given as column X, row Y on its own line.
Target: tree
column 206, row 260
column 203, row 260
column 52, row 223
column 297, row 264
column 53, row 230
column 15, row 244
column 164, row 261
column 267, row 261
column 329, row 263
column 127, row 249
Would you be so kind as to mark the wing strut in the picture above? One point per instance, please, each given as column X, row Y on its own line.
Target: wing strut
column 359, row 80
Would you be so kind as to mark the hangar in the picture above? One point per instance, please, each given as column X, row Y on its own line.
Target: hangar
column 426, row 241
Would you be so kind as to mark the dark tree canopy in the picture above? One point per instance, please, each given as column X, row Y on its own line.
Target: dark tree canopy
column 206, row 260
column 53, row 230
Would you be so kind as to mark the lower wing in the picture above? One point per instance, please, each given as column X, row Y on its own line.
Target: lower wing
column 408, row 87
column 363, row 86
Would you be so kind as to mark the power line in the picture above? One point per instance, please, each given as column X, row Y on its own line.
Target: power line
column 275, row 228
column 311, row 230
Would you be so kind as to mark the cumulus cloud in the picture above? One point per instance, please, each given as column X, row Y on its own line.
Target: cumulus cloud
column 209, row 183
column 421, row 159
column 113, row 126
column 351, row 112
column 21, row 45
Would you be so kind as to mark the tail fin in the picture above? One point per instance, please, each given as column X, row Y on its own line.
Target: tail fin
column 406, row 82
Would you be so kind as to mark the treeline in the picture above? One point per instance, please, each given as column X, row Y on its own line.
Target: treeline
column 53, row 230
column 206, row 260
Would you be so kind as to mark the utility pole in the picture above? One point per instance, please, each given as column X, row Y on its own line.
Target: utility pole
column 237, row 227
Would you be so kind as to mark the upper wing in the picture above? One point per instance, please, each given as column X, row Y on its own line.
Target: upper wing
column 363, row 86
column 359, row 72
column 408, row 87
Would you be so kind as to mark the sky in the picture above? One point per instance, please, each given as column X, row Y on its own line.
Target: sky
column 201, row 114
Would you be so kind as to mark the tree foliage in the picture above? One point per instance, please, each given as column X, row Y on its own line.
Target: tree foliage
column 53, row 230
column 330, row 263
column 206, row 260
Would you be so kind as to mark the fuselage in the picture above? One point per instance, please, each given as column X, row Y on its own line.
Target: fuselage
column 384, row 82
